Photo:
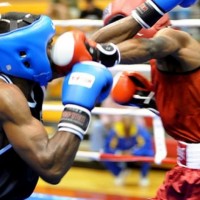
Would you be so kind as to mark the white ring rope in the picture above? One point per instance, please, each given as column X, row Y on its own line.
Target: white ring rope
column 135, row 67
column 99, row 23
column 186, row 22
column 4, row 4
column 98, row 156
column 107, row 111
column 78, row 22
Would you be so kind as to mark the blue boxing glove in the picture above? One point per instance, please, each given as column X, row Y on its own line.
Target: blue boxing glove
column 166, row 6
column 88, row 83
column 149, row 12
column 186, row 3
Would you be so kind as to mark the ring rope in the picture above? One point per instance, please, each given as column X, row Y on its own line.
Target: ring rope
column 108, row 111
column 135, row 67
column 99, row 23
column 121, row 158
column 4, row 4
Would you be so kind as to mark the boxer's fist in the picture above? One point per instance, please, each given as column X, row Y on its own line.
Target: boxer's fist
column 73, row 47
column 133, row 89
column 68, row 49
column 119, row 9
column 88, row 83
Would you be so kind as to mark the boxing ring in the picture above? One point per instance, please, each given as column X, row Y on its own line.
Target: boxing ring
column 159, row 136
column 160, row 156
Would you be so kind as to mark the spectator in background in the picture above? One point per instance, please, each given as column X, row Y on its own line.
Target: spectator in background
column 101, row 124
column 91, row 11
column 59, row 9
column 98, row 133
column 127, row 137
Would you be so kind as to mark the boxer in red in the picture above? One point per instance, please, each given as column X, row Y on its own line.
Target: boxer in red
column 175, row 71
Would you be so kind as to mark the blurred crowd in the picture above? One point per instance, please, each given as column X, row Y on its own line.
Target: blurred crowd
column 93, row 9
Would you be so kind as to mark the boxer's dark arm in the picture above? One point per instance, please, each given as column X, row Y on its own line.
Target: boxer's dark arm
column 181, row 46
column 118, row 31
column 51, row 157
column 141, row 50
column 167, row 42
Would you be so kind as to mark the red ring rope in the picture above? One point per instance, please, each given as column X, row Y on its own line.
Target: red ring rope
column 121, row 158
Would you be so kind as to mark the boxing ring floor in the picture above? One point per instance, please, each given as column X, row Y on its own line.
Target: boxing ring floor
column 97, row 184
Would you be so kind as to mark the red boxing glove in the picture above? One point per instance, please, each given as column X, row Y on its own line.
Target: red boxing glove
column 133, row 89
column 73, row 47
column 119, row 9
column 68, row 49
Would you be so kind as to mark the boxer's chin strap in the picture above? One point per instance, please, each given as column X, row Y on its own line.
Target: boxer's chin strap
column 6, row 148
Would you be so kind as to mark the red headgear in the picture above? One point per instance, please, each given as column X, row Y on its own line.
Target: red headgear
column 118, row 9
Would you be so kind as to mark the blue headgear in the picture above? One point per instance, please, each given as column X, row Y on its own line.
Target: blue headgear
column 23, row 51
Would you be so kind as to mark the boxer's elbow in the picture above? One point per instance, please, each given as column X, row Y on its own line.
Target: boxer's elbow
column 53, row 176
column 52, row 170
